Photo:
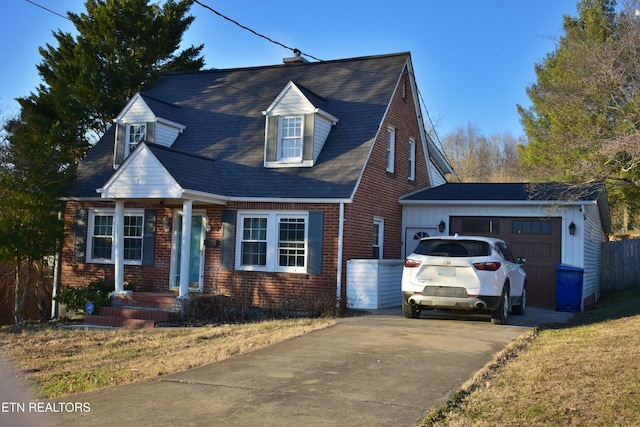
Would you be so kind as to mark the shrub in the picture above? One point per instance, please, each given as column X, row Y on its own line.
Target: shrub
column 98, row 292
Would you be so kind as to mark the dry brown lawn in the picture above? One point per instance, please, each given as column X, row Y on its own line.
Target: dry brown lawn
column 55, row 362
column 586, row 373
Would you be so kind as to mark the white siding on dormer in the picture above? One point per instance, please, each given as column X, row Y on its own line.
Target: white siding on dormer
column 320, row 134
column 142, row 176
column 292, row 104
column 166, row 135
column 137, row 112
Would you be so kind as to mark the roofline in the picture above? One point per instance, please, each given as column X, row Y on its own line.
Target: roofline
column 439, row 161
column 215, row 198
column 81, row 199
column 256, row 67
column 289, row 200
column 497, row 202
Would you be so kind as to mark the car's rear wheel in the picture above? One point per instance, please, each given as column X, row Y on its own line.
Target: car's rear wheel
column 410, row 311
column 499, row 316
column 522, row 307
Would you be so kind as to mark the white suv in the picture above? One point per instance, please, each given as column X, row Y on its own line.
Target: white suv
column 467, row 273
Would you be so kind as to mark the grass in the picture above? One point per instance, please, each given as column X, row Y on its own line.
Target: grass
column 56, row 362
column 584, row 373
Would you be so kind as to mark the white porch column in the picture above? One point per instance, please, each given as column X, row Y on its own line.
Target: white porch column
column 185, row 248
column 118, row 246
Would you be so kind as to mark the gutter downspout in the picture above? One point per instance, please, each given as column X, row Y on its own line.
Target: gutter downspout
column 56, row 276
column 340, row 253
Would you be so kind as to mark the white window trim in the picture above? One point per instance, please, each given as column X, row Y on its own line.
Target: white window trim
column 391, row 149
column 272, row 240
column 90, row 226
column 412, row 159
column 380, row 222
column 295, row 160
column 127, row 136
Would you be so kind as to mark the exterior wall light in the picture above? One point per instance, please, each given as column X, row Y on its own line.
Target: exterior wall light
column 572, row 228
column 442, row 226
column 166, row 225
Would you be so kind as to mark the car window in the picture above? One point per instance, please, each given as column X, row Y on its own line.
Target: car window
column 447, row 248
column 506, row 252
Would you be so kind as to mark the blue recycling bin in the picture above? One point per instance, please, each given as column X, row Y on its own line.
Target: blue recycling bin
column 569, row 281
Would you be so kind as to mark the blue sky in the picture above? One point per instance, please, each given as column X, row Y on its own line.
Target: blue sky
column 473, row 59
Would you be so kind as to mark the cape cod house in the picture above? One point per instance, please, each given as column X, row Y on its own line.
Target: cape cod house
column 258, row 183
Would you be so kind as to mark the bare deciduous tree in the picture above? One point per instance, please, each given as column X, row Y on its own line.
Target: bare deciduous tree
column 477, row 158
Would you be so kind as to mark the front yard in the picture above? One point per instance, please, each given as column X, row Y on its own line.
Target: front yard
column 56, row 362
column 585, row 373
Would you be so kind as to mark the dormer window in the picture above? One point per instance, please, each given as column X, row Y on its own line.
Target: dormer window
column 296, row 128
column 136, row 133
column 137, row 123
column 291, row 139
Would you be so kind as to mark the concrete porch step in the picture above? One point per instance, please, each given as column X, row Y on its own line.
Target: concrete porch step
column 119, row 322
column 136, row 310
column 154, row 300
column 136, row 313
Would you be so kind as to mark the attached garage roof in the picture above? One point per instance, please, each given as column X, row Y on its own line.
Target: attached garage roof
column 513, row 193
column 508, row 192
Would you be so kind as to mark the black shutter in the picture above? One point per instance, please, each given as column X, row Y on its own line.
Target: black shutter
column 80, row 235
column 316, row 233
column 227, row 244
column 118, row 150
column 150, row 135
column 149, row 237
column 271, row 148
column 307, row 141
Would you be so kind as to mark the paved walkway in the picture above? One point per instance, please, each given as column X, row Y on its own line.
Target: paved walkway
column 376, row 370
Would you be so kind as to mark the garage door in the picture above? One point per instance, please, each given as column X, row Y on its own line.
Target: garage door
column 536, row 239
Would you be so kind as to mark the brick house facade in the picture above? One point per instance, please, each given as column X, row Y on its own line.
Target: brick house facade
column 286, row 170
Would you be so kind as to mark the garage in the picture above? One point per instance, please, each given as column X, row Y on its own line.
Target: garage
column 547, row 224
column 537, row 239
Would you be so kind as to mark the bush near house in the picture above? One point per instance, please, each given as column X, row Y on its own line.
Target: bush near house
column 98, row 293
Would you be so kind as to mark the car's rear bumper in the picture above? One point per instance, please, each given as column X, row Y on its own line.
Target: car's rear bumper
column 452, row 303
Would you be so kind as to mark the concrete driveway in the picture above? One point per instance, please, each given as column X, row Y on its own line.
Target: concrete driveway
column 374, row 370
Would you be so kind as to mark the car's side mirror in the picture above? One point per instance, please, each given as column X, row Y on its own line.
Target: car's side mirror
column 521, row 260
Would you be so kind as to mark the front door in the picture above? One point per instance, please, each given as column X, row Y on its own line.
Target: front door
column 196, row 256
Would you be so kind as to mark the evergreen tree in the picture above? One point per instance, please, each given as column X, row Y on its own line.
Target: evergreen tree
column 583, row 124
column 121, row 46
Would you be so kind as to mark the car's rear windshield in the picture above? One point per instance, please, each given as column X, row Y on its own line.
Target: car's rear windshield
column 448, row 248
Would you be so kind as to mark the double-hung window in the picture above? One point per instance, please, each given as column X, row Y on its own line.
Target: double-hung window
column 378, row 237
column 254, row 241
column 273, row 241
column 100, row 245
column 136, row 133
column 391, row 149
column 291, row 134
column 412, row 159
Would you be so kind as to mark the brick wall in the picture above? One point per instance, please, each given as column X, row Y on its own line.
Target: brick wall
column 254, row 288
column 379, row 190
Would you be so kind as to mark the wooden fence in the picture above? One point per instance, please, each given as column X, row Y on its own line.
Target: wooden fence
column 620, row 264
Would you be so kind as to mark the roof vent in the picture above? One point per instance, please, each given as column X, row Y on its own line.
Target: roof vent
column 296, row 58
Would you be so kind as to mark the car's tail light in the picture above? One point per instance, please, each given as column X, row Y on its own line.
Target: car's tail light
column 486, row 266
column 411, row 263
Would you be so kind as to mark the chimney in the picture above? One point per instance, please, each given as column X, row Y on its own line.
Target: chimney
column 296, row 58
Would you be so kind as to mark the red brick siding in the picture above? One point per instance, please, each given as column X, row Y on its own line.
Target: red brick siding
column 379, row 190
column 255, row 288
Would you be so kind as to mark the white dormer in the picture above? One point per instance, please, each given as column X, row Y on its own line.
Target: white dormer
column 295, row 129
column 136, row 123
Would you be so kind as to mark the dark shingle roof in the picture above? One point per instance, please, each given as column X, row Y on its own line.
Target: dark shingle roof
column 508, row 192
column 222, row 111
